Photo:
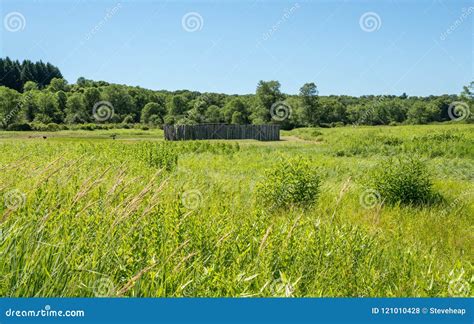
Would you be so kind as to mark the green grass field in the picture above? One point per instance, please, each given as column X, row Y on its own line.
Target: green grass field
column 85, row 215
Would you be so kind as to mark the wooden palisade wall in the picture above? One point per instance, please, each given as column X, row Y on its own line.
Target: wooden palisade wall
column 222, row 131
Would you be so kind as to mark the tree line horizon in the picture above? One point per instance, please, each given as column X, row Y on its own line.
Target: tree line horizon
column 35, row 96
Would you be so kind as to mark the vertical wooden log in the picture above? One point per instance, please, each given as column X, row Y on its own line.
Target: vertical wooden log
column 221, row 131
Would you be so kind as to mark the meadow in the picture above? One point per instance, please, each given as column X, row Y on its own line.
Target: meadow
column 83, row 214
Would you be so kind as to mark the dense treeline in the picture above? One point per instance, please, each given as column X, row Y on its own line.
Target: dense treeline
column 14, row 74
column 45, row 101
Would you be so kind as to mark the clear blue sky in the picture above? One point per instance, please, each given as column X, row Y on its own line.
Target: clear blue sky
column 144, row 43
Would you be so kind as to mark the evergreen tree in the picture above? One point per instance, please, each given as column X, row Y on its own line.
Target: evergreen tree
column 14, row 74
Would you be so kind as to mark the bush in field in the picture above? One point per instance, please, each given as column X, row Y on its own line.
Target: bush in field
column 88, row 126
column 292, row 182
column 438, row 137
column 164, row 155
column 50, row 127
column 204, row 147
column 402, row 180
column 37, row 126
column 53, row 127
column 159, row 155
column 316, row 133
column 19, row 127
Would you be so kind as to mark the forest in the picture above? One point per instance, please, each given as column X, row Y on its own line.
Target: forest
column 35, row 96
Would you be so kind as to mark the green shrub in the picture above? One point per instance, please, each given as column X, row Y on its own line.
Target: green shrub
column 88, row 126
column 337, row 124
column 384, row 139
column 204, row 147
column 53, row 127
column 37, row 126
column 316, row 133
column 19, row 127
column 292, row 182
column 402, row 180
column 158, row 155
column 439, row 137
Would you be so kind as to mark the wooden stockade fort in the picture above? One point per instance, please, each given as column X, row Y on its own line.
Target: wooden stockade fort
column 222, row 131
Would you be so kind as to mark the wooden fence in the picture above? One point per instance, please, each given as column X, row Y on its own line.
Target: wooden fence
column 222, row 131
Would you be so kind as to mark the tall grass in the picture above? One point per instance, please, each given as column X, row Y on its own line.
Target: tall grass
column 103, row 217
